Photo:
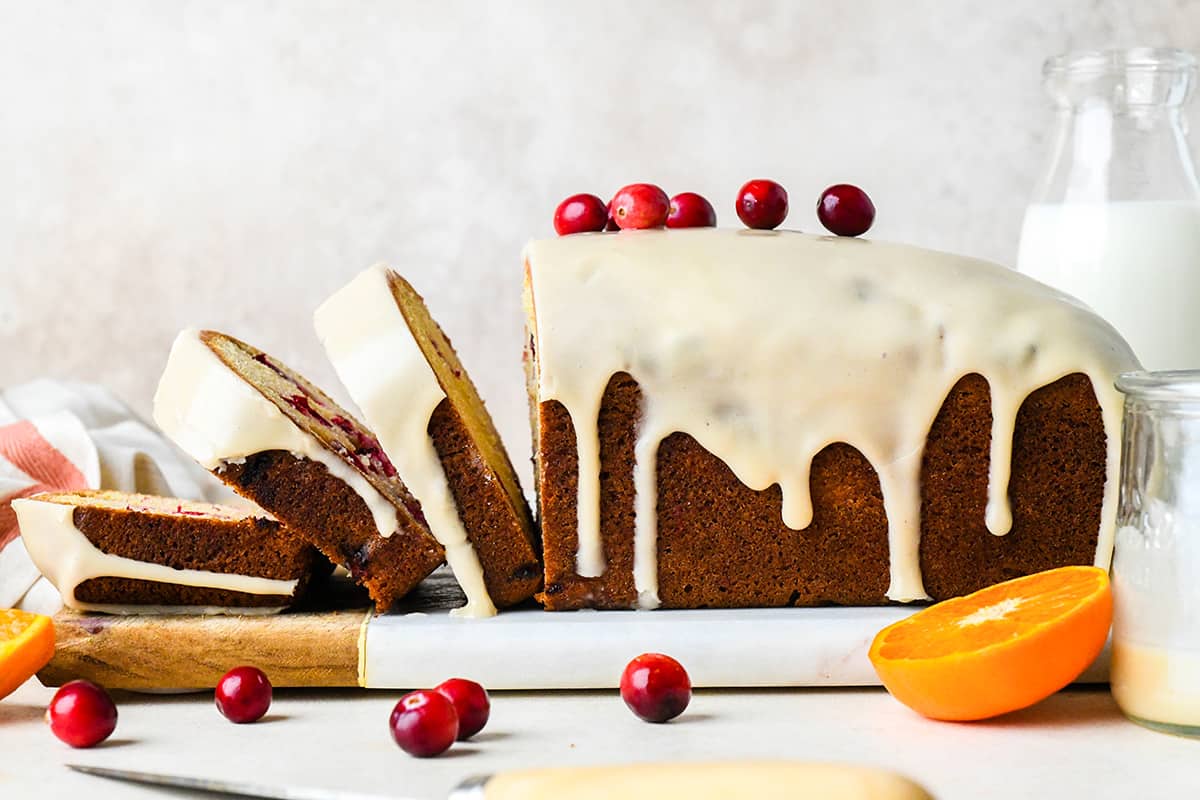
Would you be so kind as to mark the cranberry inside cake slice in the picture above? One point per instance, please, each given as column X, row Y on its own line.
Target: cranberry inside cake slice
column 278, row 440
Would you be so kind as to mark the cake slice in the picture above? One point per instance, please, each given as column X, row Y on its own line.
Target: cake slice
column 406, row 378
column 136, row 554
column 280, row 441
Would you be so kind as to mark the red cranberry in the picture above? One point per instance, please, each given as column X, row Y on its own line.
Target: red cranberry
column 640, row 205
column 690, row 210
column 303, row 404
column 580, row 213
column 82, row 714
column 762, row 204
column 243, row 694
column 656, row 687
column 424, row 723
column 470, row 702
column 845, row 210
column 612, row 223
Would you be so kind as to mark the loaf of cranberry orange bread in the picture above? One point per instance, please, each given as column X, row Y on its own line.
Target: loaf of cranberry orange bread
column 413, row 391
column 752, row 418
column 136, row 554
column 278, row 440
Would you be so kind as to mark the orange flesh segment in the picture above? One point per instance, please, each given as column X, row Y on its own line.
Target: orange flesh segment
column 26, row 645
column 993, row 615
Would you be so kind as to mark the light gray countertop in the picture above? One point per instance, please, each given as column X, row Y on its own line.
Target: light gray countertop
column 1076, row 744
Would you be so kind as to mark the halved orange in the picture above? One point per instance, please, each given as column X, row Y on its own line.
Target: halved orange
column 997, row 650
column 26, row 645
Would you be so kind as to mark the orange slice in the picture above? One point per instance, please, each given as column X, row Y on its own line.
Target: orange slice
column 1002, row 648
column 26, row 645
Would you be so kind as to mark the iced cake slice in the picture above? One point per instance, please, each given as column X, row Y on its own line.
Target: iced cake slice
column 405, row 376
column 278, row 440
column 135, row 554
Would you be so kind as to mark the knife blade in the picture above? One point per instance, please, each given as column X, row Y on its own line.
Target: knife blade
column 230, row 788
column 763, row 780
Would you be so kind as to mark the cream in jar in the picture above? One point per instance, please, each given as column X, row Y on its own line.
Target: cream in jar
column 1156, row 563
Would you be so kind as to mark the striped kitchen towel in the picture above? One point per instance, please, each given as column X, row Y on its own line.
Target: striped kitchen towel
column 62, row 435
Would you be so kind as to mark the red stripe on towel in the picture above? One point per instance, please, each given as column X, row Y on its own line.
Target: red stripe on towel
column 23, row 446
column 9, row 529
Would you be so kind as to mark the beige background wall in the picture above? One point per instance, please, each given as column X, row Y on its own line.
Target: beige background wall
column 228, row 164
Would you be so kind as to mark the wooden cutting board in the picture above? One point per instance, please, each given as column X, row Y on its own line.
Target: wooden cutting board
column 320, row 644
column 317, row 645
column 181, row 652
column 342, row 644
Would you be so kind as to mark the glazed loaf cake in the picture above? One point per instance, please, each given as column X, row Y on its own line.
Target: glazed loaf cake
column 413, row 391
column 745, row 418
column 278, row 440
column 135, row 554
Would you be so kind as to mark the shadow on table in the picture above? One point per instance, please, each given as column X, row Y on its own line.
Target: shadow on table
column 19, row 712
column 164, row 698
column 1071, row 707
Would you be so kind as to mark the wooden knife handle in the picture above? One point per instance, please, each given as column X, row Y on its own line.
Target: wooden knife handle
column 762, row 780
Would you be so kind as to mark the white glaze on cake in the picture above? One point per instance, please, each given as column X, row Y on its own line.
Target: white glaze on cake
column 768, row 346
column 373, row 350
column 217, row 418
column 65, row 556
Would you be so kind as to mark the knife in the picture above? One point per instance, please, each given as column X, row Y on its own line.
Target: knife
column 763, row 780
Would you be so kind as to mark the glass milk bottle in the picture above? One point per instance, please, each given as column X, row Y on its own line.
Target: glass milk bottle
column 1116, row 220
column 1156, row 565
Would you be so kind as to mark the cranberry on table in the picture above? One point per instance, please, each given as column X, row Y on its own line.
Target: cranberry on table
column 82, row 714
column 656, row 687
column 640, row 205
column 762, row 204
column 690, row 210
column 580, row 213
column 243, row 694
column 845, row 210
column 471, row 703
column 424, row 723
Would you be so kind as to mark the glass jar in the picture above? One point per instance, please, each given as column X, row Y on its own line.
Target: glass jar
column 1156, row 562
column 1116, row 218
